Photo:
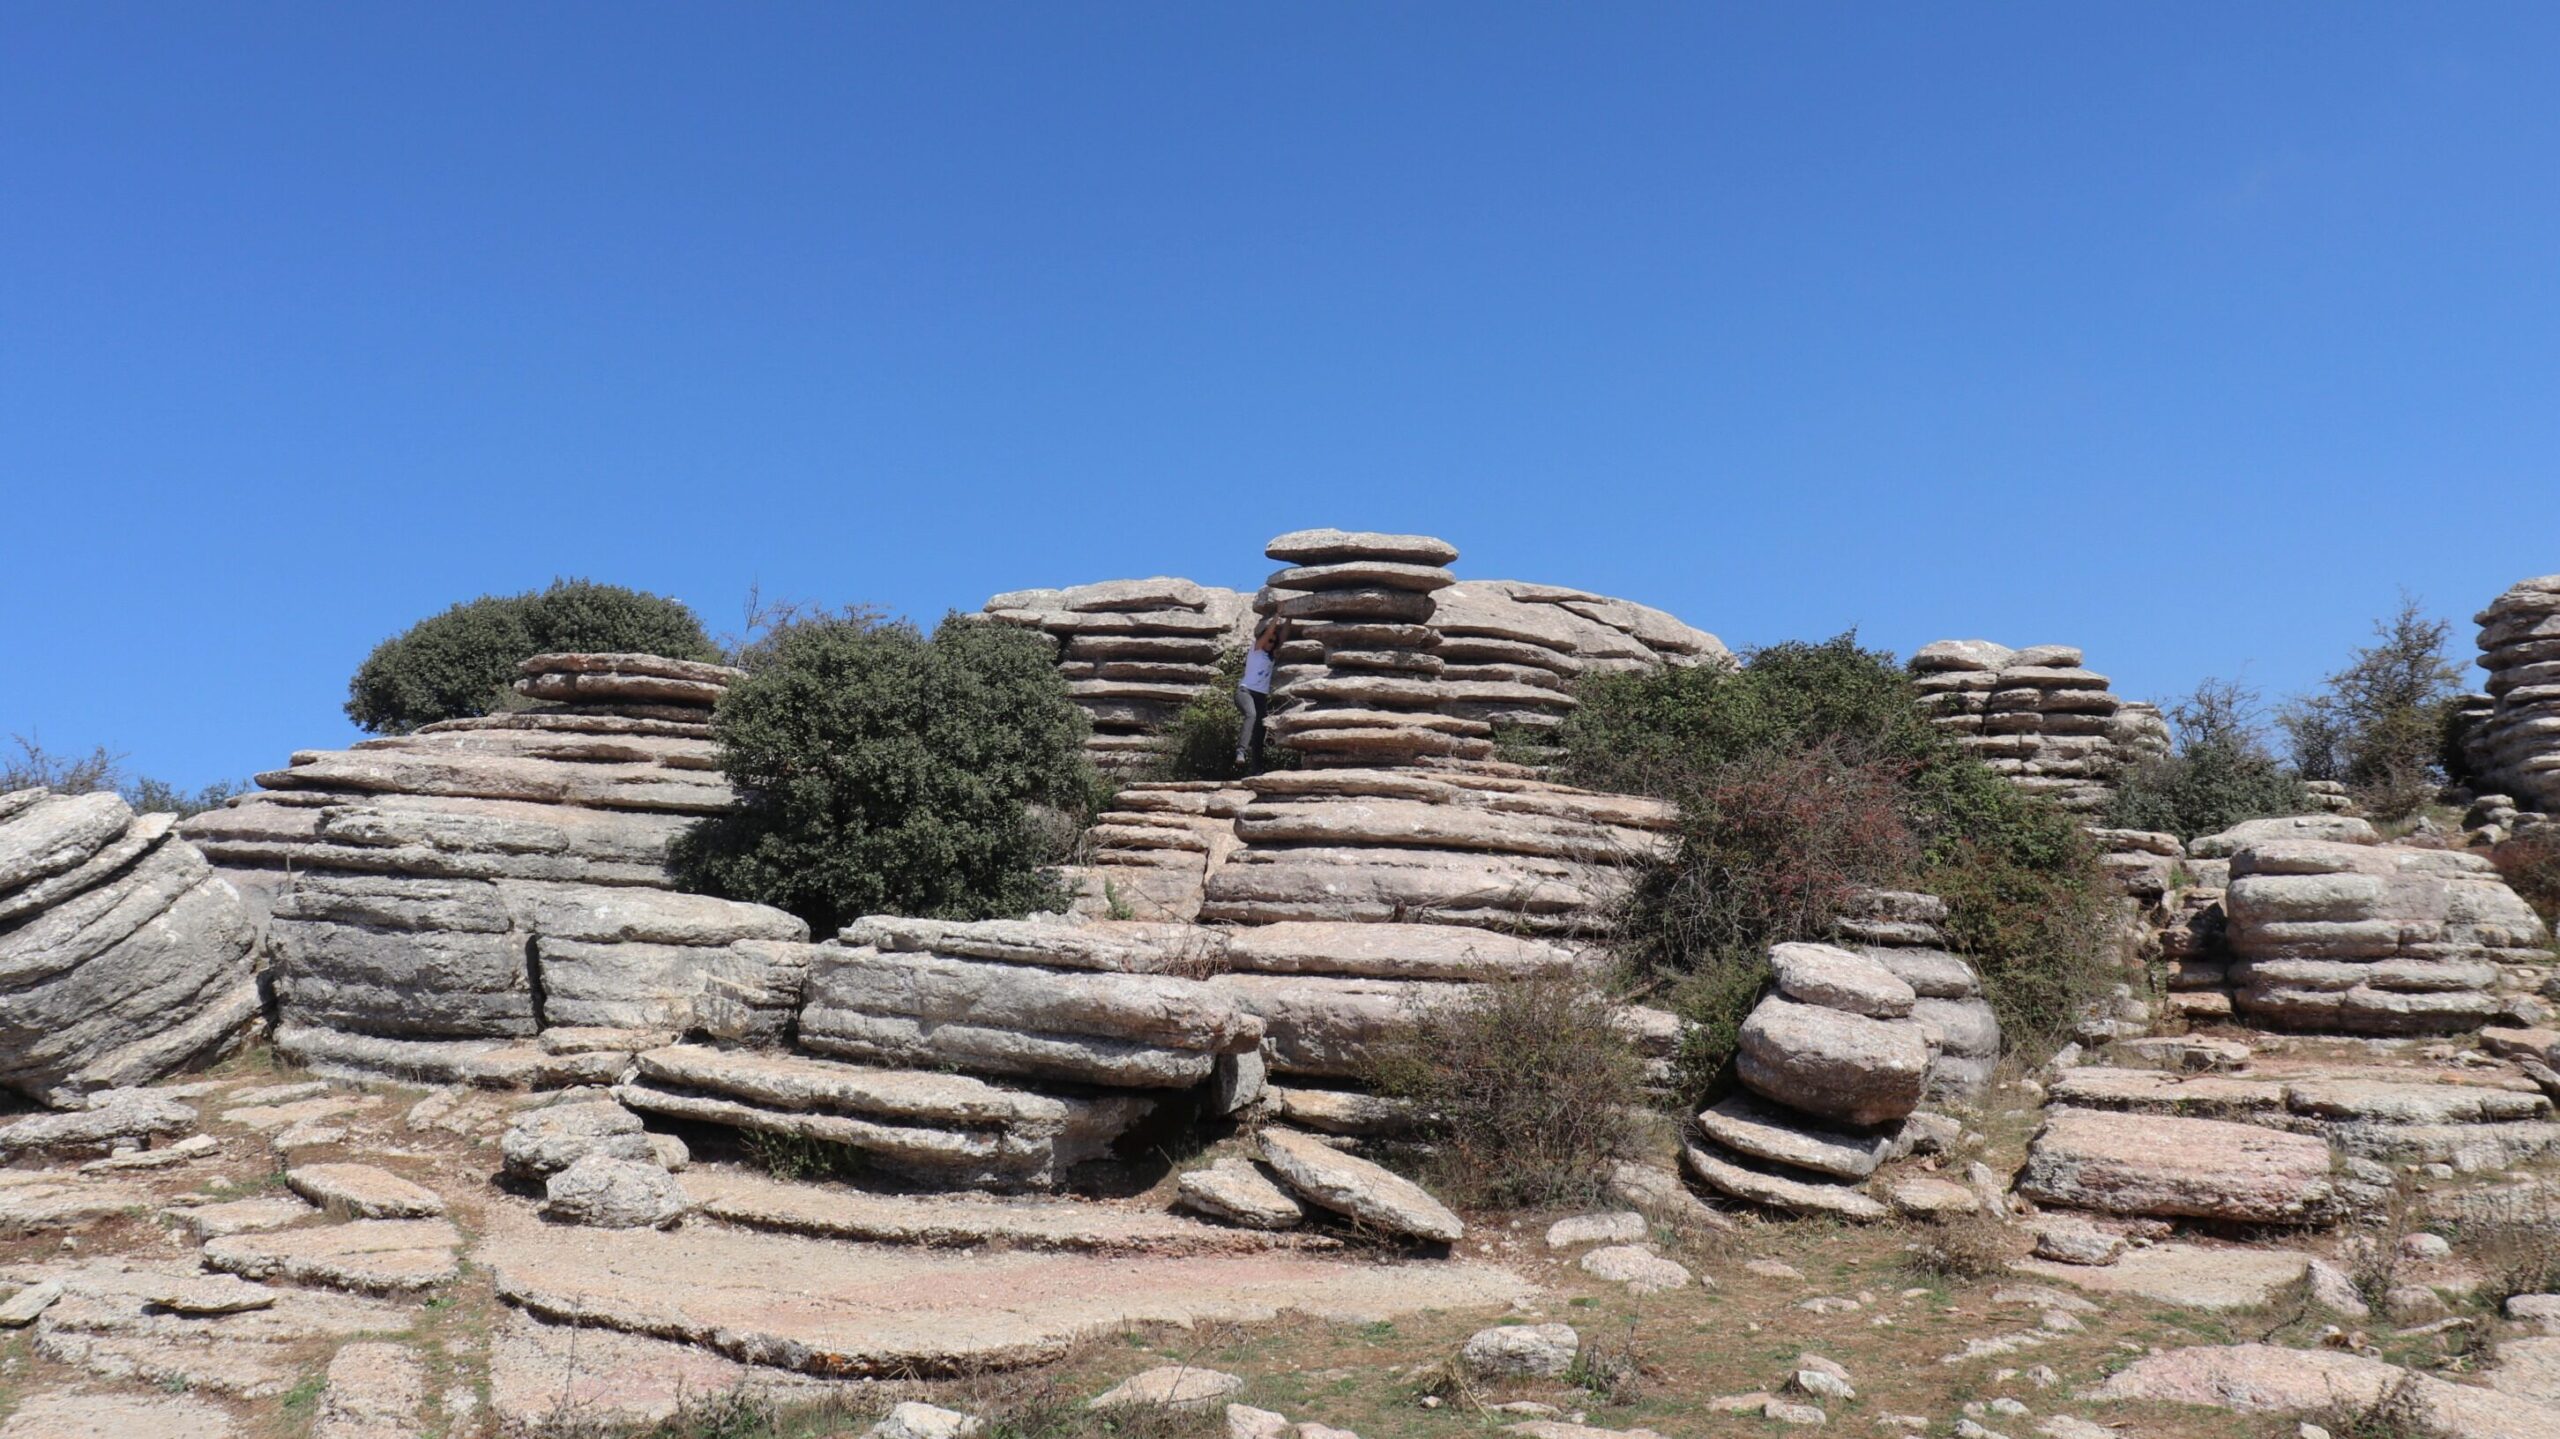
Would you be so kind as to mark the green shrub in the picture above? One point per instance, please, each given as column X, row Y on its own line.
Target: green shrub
column 884, row 772
column 35, row 767
column 463, row 662
column 2221, row 773
column 1803, row 775
column 2380, row 724
column 1529, row 1087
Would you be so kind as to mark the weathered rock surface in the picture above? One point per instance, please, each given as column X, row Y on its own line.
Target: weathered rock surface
column 821, row 1307
column 2194, row 1168
column 1837, row 1065
column 610, row 1193
column 123, row 954
column 2265, row 1379
column 2367, row 938
column 1357, row 1189
column 945, row 1128
column 1238, row 1192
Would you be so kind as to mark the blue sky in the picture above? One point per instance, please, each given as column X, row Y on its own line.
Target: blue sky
column 2189, row 334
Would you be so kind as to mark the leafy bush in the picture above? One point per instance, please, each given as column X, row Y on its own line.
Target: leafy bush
column 35, row 767
column 886, row 772
column 2380, row 724
column 2220, row 774
column 1529, row 1088
column 1803, row 775
column 463, row 662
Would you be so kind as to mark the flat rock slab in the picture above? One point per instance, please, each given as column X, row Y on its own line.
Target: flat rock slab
column 91, row 1414
column 2193, row 1168
column 2189, row 1276
column 46, row 1204
column 279, row 1116
column 2266, row 1379
column 1358, row 1189
column 540, row 1373
column 958, row 1221
column 369, row 1256
column 363, row 1191
column 240, row 1216
column 1808, row 1194
column 1238, row 1191
column 375, row 1391
column 113, row 1321
column 830, row 1308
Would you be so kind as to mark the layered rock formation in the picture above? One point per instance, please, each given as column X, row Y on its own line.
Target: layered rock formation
column 1510, row 650
column 2036, row 716
column 436, row 900
column 1358, row 682
column 2371, row 938
column 2513, row 740
column 1899, row 929
column 2310, row 922
column 1503, row 652
column 123, row 956
column 1833, row 1061
column 1133, row 652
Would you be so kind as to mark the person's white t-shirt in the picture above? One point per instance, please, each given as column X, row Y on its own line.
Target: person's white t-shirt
column 1257, row 671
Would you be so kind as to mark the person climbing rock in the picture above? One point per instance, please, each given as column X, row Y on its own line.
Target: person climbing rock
column 1253, row 692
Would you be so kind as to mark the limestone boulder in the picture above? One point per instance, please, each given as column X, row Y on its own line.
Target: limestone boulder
column 1833, row 1064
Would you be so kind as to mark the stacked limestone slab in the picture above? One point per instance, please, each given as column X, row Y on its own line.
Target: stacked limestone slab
column 1511, row 650
column 123, row 956
column 2373, row 939
column 1133, row 652
column 1832, row 1062
column 1155, row 848
column 1359, row 682
column 1440, row 846
column 1899, row 929
column 438, row 900
column 2514, row 739
column 2037, row 716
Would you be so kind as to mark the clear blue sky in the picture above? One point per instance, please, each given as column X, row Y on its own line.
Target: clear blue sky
column 2190, row 334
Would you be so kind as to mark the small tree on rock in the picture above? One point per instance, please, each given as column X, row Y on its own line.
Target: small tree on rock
column 2379, row 726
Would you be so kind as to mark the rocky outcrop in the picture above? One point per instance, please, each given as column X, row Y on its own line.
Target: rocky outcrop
column 2036, row 716
column 2372, row 939
column 1494, row 652
column 436, row 900
column 2513, row 739
column 2171, row 1167
column 1133, row 652
column 123, row 956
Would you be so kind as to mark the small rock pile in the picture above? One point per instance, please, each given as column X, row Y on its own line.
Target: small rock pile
column 2514, row 740
column 1899, row 929
column 122, row 954
column 2036, row 716
column 1833, row 1063
column 1358, row 682
column 439, row 899
column 1133, row 652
